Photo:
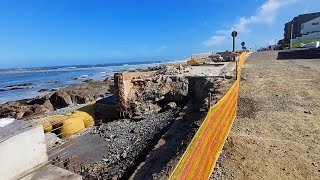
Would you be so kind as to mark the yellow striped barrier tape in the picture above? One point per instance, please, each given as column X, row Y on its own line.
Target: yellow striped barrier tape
column 202, row 153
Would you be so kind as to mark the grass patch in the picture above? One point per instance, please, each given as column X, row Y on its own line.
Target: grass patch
column 295, row 45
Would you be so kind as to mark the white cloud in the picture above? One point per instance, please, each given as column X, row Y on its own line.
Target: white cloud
column 266, row 14
column 213, row 40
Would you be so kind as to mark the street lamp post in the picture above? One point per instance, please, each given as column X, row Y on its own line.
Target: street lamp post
column 291, row 35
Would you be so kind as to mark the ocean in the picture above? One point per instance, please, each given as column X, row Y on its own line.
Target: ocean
column 56, row 77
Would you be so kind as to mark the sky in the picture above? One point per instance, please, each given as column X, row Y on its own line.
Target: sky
column 70, row 32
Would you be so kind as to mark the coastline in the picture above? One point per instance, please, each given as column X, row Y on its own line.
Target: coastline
column 73, row 96
column 61, row 101
column 28, row 83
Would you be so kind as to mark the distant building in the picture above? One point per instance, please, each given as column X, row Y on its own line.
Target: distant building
column 310, row 26
column 296, row 28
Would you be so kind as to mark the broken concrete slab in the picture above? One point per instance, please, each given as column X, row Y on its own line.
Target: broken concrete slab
column 22, row 147
column 51, row 172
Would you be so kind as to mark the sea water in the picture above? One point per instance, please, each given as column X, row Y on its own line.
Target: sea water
column 57, row 77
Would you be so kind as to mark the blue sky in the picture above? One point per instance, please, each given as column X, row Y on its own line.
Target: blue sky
column 67, row 32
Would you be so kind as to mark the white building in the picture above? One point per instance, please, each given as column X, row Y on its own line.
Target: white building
column 311, row 26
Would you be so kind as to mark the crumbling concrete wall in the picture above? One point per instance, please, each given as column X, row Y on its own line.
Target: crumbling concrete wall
column 123, row 87
column 142, row 93
column 150, row 95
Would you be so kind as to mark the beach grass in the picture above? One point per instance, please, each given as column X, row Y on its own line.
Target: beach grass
column 296, row 45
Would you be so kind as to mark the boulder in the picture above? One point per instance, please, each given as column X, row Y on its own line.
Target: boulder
column 78, row 99
column 88, row 81
column 60, row 99
column 39, row 109
column 36, row 101
column 21, row 111
column 47, row 104
column 29, row 112
column 108, row 80
column 43, row 90
column 23, row 84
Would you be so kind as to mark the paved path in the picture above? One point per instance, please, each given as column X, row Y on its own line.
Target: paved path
column 276, row 134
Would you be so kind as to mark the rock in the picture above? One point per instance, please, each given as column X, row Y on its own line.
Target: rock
column 53, row 82
column 43, row 90
column 110, row 136
column 76, row 99
column 23, row 84
column 108, row 80
column 180, row 67
column 39, row 109
column 307, row 112
column 137, row 118
column 88, row 81
column 171, row 105
column 314, row 164
column 47, row 104
column 135, row 130
column 74, row 94
column 21, row 111
column 28, row 113
column 1, row 90
column 15, row 88
column 60, row 99
column 36, row 101
column 124, row 154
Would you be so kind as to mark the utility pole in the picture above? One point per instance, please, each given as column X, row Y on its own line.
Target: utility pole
column 291, row 35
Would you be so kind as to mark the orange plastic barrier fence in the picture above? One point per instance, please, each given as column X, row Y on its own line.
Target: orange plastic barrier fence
column 202, row 153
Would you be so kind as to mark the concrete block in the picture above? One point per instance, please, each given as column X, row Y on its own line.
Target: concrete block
column 51, row 172
column 22, row 148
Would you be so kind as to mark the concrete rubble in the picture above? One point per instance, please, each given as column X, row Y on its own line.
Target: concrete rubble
column 152, row 101
column 146, row 104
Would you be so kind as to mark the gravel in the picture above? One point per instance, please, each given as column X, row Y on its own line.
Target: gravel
column 114, row 150
column 127, row 141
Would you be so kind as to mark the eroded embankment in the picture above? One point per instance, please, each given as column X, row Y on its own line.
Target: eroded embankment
column 115, row 149
column 169, row 149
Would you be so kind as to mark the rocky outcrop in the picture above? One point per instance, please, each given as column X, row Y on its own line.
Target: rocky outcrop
column 75, row 94
column 60, row 99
